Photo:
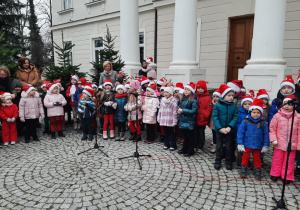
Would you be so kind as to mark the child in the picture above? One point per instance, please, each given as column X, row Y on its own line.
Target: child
column 8, row 114
column 106, row 101
column 86, row 108
column 30, row 109
column 225, row 116
column 144, row 84
column 150, row 105
column 70, row 95
column 239, row 91
column 253, row 136
column 78, row 93
column 187, row 119
column 121, row 114
column 133, row 110
column 151, row 69
column 17, row 92
column 179, row 86
column 46, row 119
column 54, row 103
column 203, row 114
column 280, row 127
column 263, row 95
column 167, row 117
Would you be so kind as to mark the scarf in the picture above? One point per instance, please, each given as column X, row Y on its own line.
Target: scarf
column 72, row 91
column 167, row 100
column 124, row 95
column 108, row 73
column 9, row 104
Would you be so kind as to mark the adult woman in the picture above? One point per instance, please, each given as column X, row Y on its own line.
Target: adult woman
column 5, row 85
column 27, row 73
column 108, row 73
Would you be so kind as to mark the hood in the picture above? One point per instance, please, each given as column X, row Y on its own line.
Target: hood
column 25, row 95
column 242, row 110
column 225, row 102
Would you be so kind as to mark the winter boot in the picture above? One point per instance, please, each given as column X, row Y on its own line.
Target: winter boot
column 112, row 134
column 139, row 138
column 257, row 172
column 122, row 137
column 52, row 135
column 84, row 137
column 91, row 137
column 229, row 166
column 243, row 172
column 118, row 136
column 132, row 137
column 105, row 135
column 60, row 134
column 213, row 149
column 217, row 164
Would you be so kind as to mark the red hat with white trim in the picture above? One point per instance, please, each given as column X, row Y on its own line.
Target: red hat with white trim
column 257, row 104
column 94, row 86
column 75, row 77
column 149, row 60
column 28, row 88
column 57, row 81
column 152, row 89
column 162, row 81
column 121, row 86
column 252, row 93
column 162, row 88
column 51, row 86
column 82, row 81
column 224, row 89
column 217, row 93
column 179, row 86
column 88, row 86
column 288, row 81
column 191, row 86
column 108, row 82
column 144, row 80
column 89, row 92
column 44, row 84
column 127, row 85
column 246, row 98
column 236, row 85
column 262, row 93
column 288, row 98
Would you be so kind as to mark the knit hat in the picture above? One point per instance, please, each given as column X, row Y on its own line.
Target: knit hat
column 121, row 87
column 149, row 60
column 217, row 93
column 16, row 83
column 75, row 77
column 127, row 85
column 288, row 81
column 162, row 88
column 50, row 87
column 44, row 84
column 236, row 85
column 162, row 81
column 201, row 84
column 89, row 92
column 152, row 88
column 257, row 104
column 252, row 93
column 7, row 96
column 82, row 81
column 262, row 93
column 179, row 86
column 169, row 90
column 143, row 80
column 246, row 98
column 28, row 88
column 108, row 82
column 181, row 91
column 224, row 89
column 288, row 98
column 135, row 84
column 191, row 86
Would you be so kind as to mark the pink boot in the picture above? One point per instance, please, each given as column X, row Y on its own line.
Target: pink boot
column 112, row 134
column 105, row 135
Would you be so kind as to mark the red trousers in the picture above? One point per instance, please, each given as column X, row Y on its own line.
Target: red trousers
column 9, row 131
column 108, row 118
column 58, row 126
column 132, row 127
column 256, row 157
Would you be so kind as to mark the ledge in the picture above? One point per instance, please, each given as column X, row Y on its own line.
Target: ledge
column 90, row 4
column 65, row 11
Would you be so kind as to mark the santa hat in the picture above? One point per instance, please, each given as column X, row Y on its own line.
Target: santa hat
column 121, row 87
column 246, row 98
column 89, row 92
column 7, row 96
column 108, row 82
column 28, row 88
column 257, row 104
column 57, row 81
column 88, row 86
column 288, row 98
column 191, row 86
column 252, row 93
column 75, row 77
column 217, row 93
column 201, row 84
column 224, row 89
column 143, row 80
column 100, row 87
column 152, row 88
column 149, row 60
column 127, row 85
column 288, row 81
column 181, row 91
column 82, row 81
column 44, row 84
column 179, row 86
column 169, row 90
column 50, row 86
column 94, row 86
column 262, row 93
column 162, row 81
column 236, row 85
column 162, row 88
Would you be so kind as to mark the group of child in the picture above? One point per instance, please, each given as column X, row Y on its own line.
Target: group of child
column 238, row 120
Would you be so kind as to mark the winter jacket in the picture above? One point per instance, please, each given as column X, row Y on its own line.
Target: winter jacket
column 30, row 107
column 167, row 114
column 86, row 108
column 77, row 96
column 113, row 77
column 121, row 114
column 9, row 112
column 71, row 99
column 52, row 110
column 151, row 71
column 131, row 108
column 276, row 103
column 280, row 128
column 205, row 109
column 142, row 73
column 17, row 98
column 253, row 134
column 149, row 106
column 242, row 115
column 187, row 120
column 29, row 76
column 225, row 114
column 108, row 97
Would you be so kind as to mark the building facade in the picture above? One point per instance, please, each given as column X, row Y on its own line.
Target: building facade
column 189, row 39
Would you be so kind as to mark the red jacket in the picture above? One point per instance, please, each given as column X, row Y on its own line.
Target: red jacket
column 205, row 109
column 72, row 103
column 9, row 112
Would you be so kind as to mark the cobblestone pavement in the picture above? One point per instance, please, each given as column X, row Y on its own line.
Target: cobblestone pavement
column 50, row 175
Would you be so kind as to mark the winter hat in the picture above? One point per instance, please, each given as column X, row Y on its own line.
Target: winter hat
column 201, row 84
column 94, row 86
column 236, row 85
column 162, row 88
column 50, row 87
column 28, row 88
column 100, row 87
column 181, row 91
column 149, row 60
column 135, row 84
column 88, row 86
column 179, row 86
column 108, row 82
column 169, row 90
column 16, row 83
column 143, row 80
column 191, row 86
column 121, row 87
column 7, row 96
column 57, row 81
column 162, row 81
column 89, row 92
column 288, row 81
column 262, row 93
column 288, row 98
column 152, row 88
column 246, row 98
column 224, row 89
column 127, row 85
column 217, row 93
column 44, row 84
column 75, row 77
column 82, row 81
column 251, row 92
column 257, row 104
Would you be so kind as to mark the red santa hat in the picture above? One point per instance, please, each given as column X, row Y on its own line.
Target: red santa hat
column 127, row 85
column 252, row 93
column 75, row 77
column 57, row 81
column 121, row 86
column 143, row 80
column 82, row 81
column 28, row 88
column 262, row 93
column 108, row 82
column 288, row 81
column 94, row 86
column 179, row 86
column 246, row 98
column 288, row 98
column 50, row 86
column 224, row 89
column 191, row 86
column 7, row 96
column 162, row 81
column 152, row 89
column 217, row 93
column 257, row 104
column 149, row 60
column 44, row 84
column 201, row 84
column 100, row 87
column 236, row 85
column 89, row 92
column 88, row 86
column 162, row 88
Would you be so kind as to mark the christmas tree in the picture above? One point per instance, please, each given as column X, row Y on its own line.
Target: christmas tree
column 7, row 56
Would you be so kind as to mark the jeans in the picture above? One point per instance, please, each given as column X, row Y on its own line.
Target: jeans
column 226, row 139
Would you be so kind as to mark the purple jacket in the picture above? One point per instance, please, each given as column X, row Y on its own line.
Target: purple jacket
column 167, row 115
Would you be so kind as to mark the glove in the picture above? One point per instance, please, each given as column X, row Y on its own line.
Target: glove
column 22, row 119
column 264, row 149
column 13, row 119
column 8, row 120
column 275, row 142
column 278, row 103
column 57, row 103
column 241, row 148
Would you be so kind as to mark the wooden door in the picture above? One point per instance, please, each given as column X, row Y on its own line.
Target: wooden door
column 240, row 45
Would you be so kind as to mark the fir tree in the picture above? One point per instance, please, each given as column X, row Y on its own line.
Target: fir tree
column 7, row 56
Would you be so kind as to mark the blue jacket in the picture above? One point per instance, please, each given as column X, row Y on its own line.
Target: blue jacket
column 253, row 134
column 242, row 115
column 121, row 114
column 225, row 114
column 86, row 108
column 187, row 120
column 77, row 95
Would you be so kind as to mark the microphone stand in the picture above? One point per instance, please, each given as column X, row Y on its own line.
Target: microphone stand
column 136, row 153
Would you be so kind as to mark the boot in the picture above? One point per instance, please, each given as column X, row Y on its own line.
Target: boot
column 258, row 173
column 213, row 149
column 112, row 134
column 105, row 135
column 132, row 137
column 122, row 137
column 84, row 137
column 217, row 164
column 90, row 137
column 243, row 172
column 162, row 138
column 274, row 178
column 60, row 134
column 53, row 135
column 229, row 166
column 139, row 138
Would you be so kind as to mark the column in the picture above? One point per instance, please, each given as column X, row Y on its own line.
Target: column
column 129, row 36
column 266, row 68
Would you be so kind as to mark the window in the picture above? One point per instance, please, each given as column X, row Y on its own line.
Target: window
column 66, row 4
column 142, row 46
column 69, row 53
column 98, row 46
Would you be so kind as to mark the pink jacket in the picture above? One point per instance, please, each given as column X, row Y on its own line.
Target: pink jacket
column 30, row 107
column 151, row 71
column 167, row 115
column 52, row 110
column 131, row 108
column 280, row 130
column 149, row 107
